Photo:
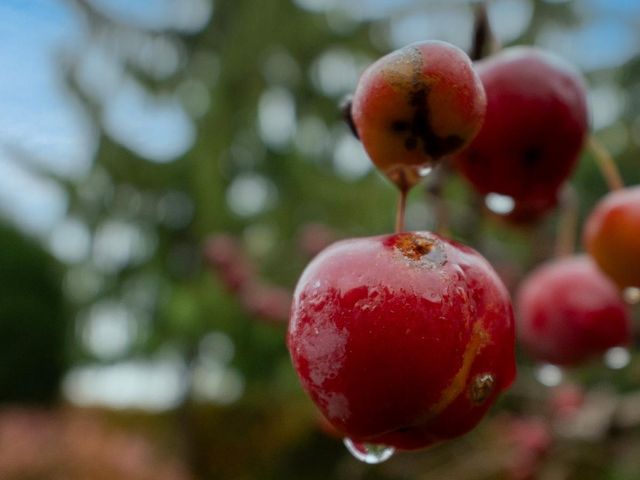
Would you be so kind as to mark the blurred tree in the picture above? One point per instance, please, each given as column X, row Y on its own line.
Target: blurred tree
column 33, row 322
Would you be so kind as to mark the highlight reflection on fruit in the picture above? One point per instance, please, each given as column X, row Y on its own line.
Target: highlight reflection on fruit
column 402, row 340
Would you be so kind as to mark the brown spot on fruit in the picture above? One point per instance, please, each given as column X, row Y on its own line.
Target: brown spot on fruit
column 418, row 129
column 421, row 129
column 425, row 251
column 413, row 246
column 481, row 388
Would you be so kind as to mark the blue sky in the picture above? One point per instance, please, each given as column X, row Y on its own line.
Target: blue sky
column 37, row 116
column 34, row 114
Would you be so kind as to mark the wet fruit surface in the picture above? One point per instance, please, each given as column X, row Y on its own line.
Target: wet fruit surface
column 416, row 105
column 402, row 340
column 612, row 236
column 534, row 129
column 568, row 311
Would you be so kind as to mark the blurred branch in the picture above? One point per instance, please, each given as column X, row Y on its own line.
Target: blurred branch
column 606, row 164
column 567, row 221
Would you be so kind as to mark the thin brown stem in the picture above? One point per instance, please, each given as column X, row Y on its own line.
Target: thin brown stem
column 483, row 39
column 402, row 205
column 567, row 222
column 345, row 110
column 606, row 164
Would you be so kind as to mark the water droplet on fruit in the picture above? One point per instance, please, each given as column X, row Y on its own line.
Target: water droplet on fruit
column 631, row 295
column 434, row 296
column 372, row 301
column 369, row 453
column 316, row 302
column 424, row 171
column 500, row 204
column 549, row 375
column 617, row 358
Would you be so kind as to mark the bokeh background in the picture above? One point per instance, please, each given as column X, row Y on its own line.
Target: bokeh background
column 167, row 169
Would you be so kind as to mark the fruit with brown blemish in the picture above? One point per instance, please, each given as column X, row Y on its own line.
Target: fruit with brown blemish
column 534, row 130
column 569, row 311
column 612, row 236
column 416, row 105
column 403, row 340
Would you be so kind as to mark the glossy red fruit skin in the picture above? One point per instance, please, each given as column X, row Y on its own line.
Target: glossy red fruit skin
column 534, row 129
column 404, row 339
column 612, row 236
column 568, row 312
column 417, row 104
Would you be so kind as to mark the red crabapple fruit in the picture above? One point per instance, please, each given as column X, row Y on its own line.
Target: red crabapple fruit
column 534, row 129
column 402, row 340
column 568, row 311
column 611, row 236
column 416, row 105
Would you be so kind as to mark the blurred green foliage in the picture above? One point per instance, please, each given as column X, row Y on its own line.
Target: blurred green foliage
column 33, row 320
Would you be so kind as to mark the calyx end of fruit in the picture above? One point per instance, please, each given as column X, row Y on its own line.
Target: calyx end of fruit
column 419, row 248
column 413, row 246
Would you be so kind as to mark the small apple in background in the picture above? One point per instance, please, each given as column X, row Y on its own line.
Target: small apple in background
column 568, row 311
column 612, row 236
column 535, row 126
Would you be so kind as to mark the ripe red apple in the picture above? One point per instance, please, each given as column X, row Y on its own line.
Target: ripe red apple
column 611, row 236
column 416, row 105
column 403, row 340
column 535, row 126
column 568, row 311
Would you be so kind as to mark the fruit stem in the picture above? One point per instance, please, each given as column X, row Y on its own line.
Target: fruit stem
column 345, row 109
column 567, row 222
column 402, row 205
column 483, row 39
column 606, row 164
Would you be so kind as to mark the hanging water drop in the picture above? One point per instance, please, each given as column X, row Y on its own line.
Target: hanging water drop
column 617, row 358
column 631, row 295
column 500, row 204
column 549, row 375
column 423, row 171
column 369, row 453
